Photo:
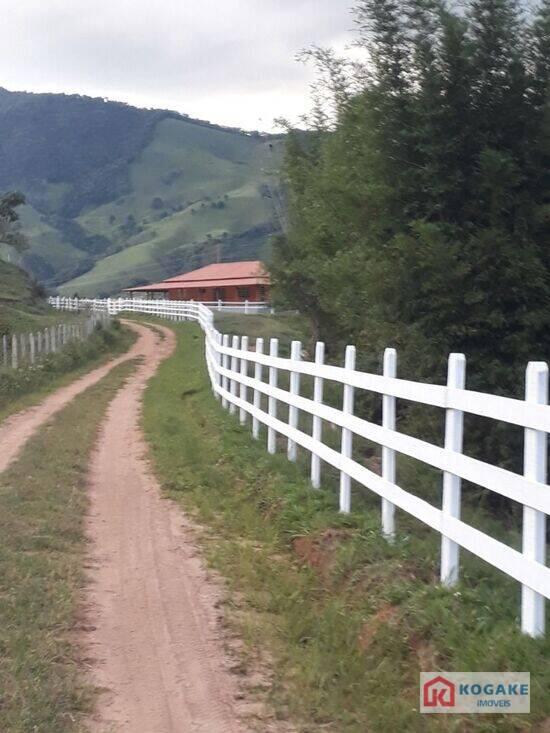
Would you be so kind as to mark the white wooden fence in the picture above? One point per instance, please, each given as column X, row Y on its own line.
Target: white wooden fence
column 113, row 304
column 26, row 349
column 238, row 377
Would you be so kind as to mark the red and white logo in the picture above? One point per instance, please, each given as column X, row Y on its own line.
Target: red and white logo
column 438, row 692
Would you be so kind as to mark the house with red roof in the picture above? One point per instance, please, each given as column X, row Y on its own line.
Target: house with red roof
column 235, row 282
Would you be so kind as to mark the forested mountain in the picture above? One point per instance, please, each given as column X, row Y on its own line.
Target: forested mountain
column 118, row 195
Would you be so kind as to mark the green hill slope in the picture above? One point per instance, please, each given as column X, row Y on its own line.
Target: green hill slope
column 119, row 196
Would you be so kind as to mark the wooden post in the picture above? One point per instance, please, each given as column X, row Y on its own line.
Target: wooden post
column 5, row 350
column 454, row 428
column 53, row 340
column 317, row 432
column 234, row 369
column 14, row 355
column 39, row 342
column 22, row 349
column 388, row 454
column 225, row 363
column 257, row 394
column 244, row 372
column 295, row 356
column 217, row 339
column 32, row 353
column 534, row 522
column 347, row 435
column 246, row 306
column 272, row 402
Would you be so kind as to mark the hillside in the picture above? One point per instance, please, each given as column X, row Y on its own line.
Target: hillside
column 22, row 305
column 119, row 196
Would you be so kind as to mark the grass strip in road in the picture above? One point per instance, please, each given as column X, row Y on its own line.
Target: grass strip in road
column 42, row 549
column 22, row 388
column 348, row 619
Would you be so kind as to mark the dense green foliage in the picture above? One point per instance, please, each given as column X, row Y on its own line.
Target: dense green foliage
column 119, row 196
column 9, row 218
column 420, row 218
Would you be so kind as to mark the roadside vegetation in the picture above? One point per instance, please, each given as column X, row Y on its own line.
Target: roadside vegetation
column 344, row 620
column 418, row 198
column 285, row 326
column 22, row 387
column 42, row 505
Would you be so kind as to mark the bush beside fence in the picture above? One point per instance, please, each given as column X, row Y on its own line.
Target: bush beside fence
column 26, row 349
column 238, row 377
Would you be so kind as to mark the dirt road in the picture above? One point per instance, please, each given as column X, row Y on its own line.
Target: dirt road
column 18, row 428
column 152, row 634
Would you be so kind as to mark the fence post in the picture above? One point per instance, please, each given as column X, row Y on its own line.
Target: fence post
column 295, row 355
column 14, row 359
column 388, row 454
column 272, row 402
column 243, row 393
column 454, row 429
column 32, row 353
column 246, row 306
column 217, row 358
column 225, row 364
column 53, row 340
column 22, row 349
column 317, row 431
column 534, row 522
column 257, row 394
column 347, row 435
column 5, row 350
column 234, row 369
column 39, row 342
column 219, row 305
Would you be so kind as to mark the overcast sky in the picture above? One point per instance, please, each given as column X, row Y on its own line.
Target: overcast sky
column 229, row 61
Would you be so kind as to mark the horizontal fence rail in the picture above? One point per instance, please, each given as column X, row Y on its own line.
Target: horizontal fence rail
column 27, row 349
column 240, row 376
column 227, row 306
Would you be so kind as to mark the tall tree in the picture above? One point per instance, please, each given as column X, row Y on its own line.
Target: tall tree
column 9, row 233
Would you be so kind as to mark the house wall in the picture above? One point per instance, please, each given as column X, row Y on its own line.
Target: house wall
column 232, row 293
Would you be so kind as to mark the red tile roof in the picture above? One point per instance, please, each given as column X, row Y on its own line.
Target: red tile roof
column 224, row 271
column 218, row 275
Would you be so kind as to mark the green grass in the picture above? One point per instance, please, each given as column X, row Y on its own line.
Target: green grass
column 21, row 388
column 287, row 327
column 42, row 506
column 346, row 619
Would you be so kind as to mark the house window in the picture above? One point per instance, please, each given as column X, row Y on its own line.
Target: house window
column 243, row 293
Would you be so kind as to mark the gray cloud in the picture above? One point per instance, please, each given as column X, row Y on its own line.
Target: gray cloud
column 232, row 61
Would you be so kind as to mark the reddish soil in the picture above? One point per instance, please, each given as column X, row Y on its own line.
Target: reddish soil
column 318, row 551
column 152, row 633
column 17, row 429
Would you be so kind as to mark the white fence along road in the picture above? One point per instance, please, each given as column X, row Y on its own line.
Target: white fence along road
column 236, row 376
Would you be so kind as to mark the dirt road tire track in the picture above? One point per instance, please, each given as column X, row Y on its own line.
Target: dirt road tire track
column 152, row 629
column 16, row 430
